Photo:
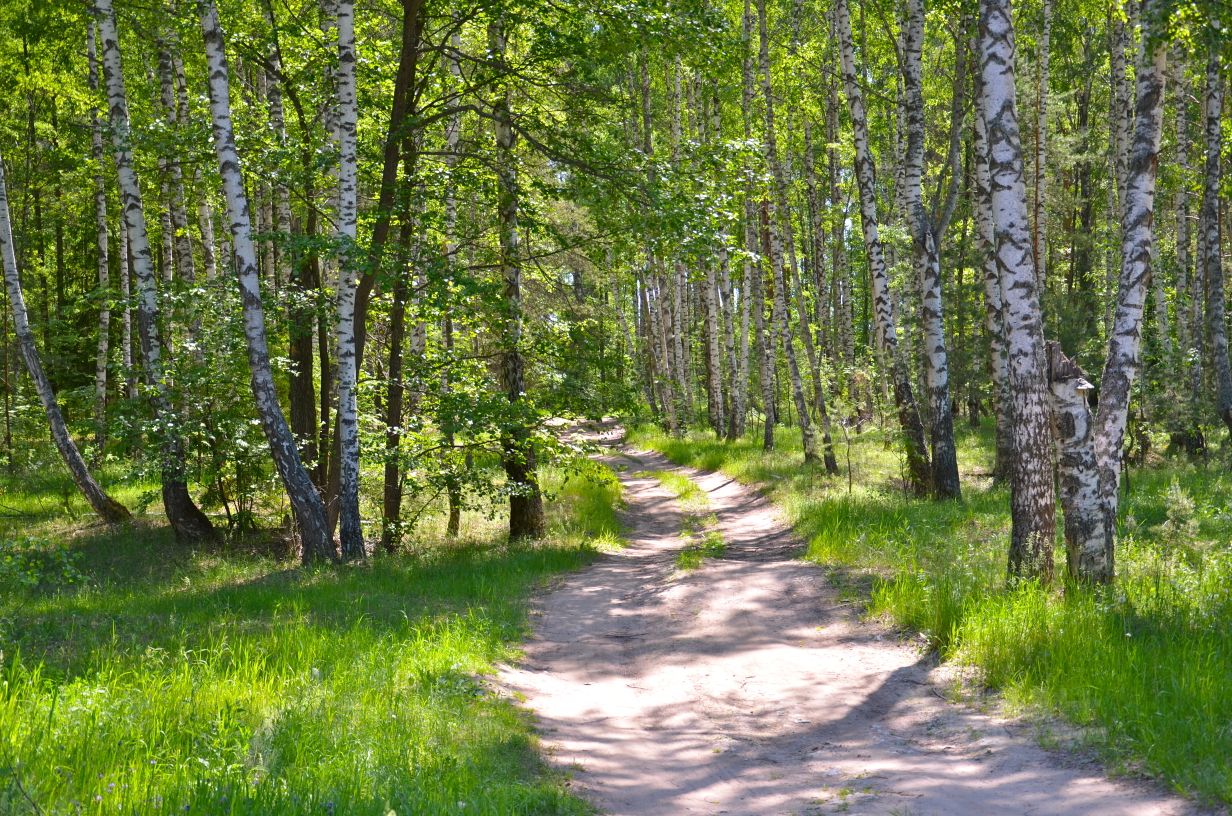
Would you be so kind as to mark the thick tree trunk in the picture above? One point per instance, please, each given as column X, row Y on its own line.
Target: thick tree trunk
column 1032, row 502
column 306, row 504
column 740, row 380
column 107, row 508
column 1212, row 237
column 189, row 523
column 301, row 274
column 715, row 270
column 126, row 333
column 526, row 519
column 885, row 320
column 350, row 533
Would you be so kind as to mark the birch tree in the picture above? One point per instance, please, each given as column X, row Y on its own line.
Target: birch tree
column 884, row 310
column 1091, row 446
column 774, row 246
column 306, row 504
column 102, row 241
column 1032, row 496
column 927, row 258
column 107, row 508
column 189, row 523
column 350, row 533
column 1209, row 225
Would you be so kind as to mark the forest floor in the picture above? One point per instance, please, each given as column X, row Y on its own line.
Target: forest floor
column 705, row 668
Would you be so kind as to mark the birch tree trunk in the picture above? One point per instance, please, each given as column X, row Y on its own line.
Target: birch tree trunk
column 188, row 522
column 927, row 257
column 1212, row 244
column 712, row 300
column 765, row 338
column 840, row 274
column 350, row 533
column 126, row 333
column 309, row 511
column 107, row 508
column 1187, row 293
column 884, row 312
column 994, row 307
column 104, row 275
column 774, row 246
column 518, row 449
column 1091, row 479
column 185, row 268
column 740, row 381
column 1032, row 498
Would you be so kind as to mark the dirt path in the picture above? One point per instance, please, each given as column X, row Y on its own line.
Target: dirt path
column 745, row 687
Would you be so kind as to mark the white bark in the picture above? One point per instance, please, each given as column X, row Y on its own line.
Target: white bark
column 126, row 335
column 927, row 258
column 1091, row 508
column 884, row 312
column 350, row 533
column 106, row 507
column 306, row 503
column 1032, row 500
column 771, row 207
column 189, row 523
column 101, row 241
column 994, row 308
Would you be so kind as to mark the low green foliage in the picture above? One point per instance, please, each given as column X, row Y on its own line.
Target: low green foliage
column 1144, row 665
column 690, row 496
column 692, row 556
column 228, row 682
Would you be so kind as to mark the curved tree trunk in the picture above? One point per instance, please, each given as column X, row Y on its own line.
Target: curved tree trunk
column 1032, row 498
column 189, row 523
column 306, row 504
column 884, row 313
column 106, row 507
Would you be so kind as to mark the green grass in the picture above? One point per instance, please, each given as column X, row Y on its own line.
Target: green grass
column 1145, row 667
column 694, row 502
column 138, row 677
column 693, row 555
column 688, row 494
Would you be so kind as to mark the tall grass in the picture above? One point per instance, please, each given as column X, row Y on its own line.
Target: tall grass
column 1145, row 666
column 159, row 680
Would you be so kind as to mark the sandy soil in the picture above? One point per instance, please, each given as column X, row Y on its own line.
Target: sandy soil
column 747, row 687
